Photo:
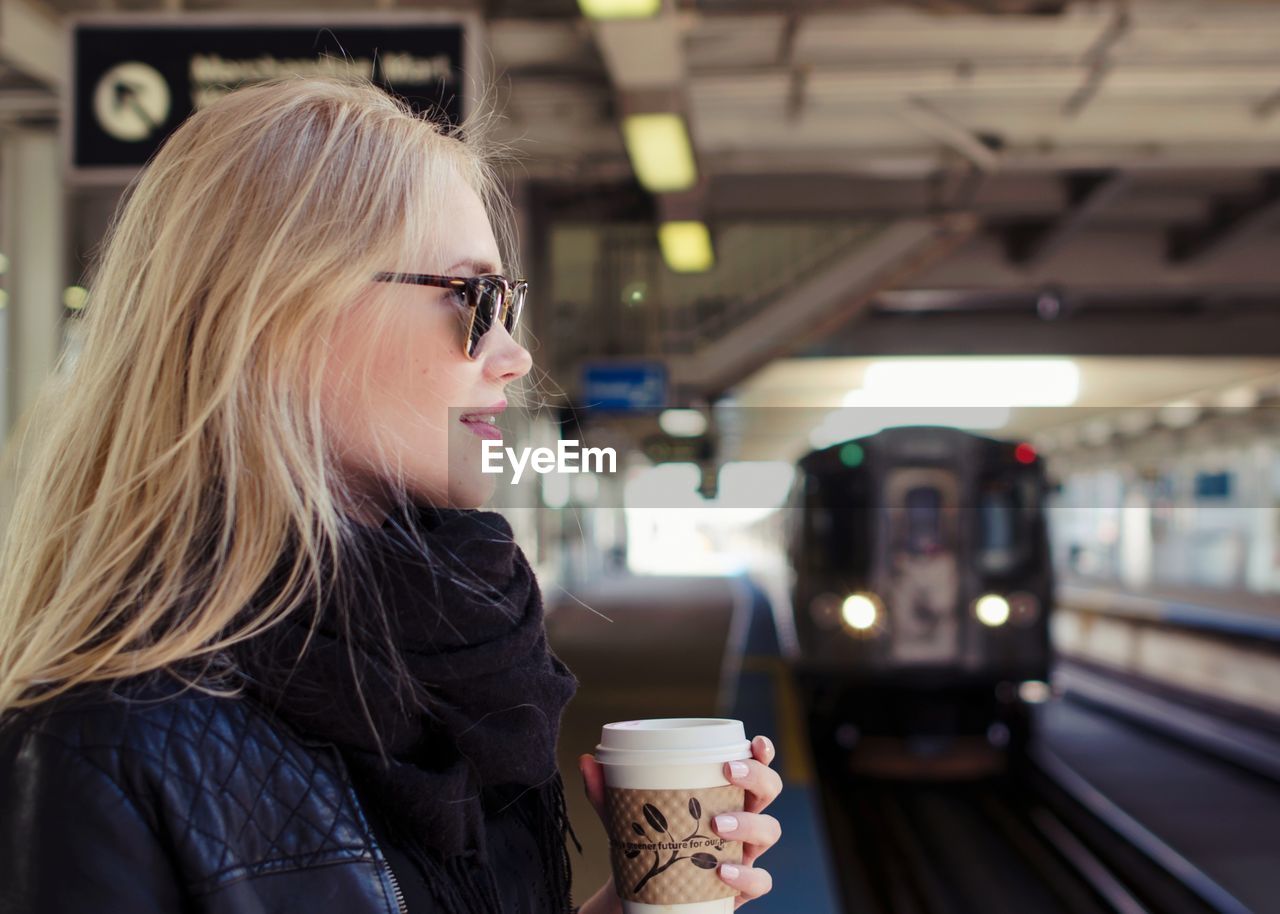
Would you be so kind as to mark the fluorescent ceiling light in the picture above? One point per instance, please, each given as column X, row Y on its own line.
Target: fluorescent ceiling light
column 660, row 151
column 619, row 9
column 957, row 391
column 682, row 423
column 962, row 381
column 868, row 418
column 686, row 246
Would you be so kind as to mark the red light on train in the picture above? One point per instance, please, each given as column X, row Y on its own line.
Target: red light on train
column 1024, row 453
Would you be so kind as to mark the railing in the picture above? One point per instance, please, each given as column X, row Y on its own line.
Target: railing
column 632, row 305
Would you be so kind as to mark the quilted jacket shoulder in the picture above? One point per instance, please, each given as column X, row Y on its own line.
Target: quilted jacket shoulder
column 148, row 798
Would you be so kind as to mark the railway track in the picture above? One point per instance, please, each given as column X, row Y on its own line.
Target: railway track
column 1016, row 843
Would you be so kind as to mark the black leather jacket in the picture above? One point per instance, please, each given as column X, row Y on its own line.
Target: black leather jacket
column 185, row 803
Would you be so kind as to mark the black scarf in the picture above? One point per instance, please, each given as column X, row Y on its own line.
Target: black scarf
column 475, row 730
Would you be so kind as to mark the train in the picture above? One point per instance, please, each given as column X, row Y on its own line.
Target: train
column 922, row 590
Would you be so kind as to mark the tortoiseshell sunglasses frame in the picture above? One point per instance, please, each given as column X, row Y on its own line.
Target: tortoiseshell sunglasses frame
column 510, row 299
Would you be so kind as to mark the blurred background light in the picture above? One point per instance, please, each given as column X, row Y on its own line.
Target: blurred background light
column 619, row 9
column 555, row 489
column 686, row 246
column 74, row 297
column 851, row 422
column 859, row 611
column 964, row 381
column 660, row 151
column 634, row 293
column 852, row 455
column 682, row 423
column 992, row 610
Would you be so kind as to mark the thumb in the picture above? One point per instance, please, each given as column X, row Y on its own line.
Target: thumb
column 592, row 781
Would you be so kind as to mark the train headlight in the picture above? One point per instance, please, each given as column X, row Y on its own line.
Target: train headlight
column 992, row 609
column 860, row 611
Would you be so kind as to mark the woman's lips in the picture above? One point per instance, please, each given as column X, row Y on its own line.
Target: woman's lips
column 482, row 427
column 483, row 421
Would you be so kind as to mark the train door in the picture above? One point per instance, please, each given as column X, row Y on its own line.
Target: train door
column 920, row 570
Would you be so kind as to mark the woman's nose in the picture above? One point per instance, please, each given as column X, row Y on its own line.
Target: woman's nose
column 504, row 358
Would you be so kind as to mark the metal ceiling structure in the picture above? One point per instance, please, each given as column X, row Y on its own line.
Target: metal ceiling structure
column 1112, row 165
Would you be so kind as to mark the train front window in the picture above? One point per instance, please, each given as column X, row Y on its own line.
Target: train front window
column 1004, row 525
column 838, row 519
column 924, row 521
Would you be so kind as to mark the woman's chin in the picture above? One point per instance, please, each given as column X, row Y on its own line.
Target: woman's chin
column 472, row 491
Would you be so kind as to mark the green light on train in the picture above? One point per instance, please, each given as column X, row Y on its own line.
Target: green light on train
column 851, row 455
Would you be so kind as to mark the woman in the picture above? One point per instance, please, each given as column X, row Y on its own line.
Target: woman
column 257, row 650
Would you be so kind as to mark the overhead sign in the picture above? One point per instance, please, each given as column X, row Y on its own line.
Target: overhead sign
column 624, row 385
column 135, row 80
column 670, row 449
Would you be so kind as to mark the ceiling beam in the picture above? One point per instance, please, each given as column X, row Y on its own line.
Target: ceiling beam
column 1267, row 106
column 1098, row 60
column 1087, row 193
column 645, row 61
column 979, row 149
column 818, row 304
column 743, row 8
column 32, row 41
column 1244, row 333
column 642, row 53
column 1229, row 222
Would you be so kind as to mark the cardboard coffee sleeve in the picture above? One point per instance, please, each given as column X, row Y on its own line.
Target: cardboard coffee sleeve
column 663, row 848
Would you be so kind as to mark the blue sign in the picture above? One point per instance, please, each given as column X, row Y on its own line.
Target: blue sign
column 624, row 385
column 1213, row 485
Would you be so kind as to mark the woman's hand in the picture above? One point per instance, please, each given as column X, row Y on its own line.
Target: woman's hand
column 604, row 901
column 757, row 832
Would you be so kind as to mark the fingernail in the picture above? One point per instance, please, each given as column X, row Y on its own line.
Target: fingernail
column 728, row 871
column 725, row 823
column 769, row 745
column 737, row 769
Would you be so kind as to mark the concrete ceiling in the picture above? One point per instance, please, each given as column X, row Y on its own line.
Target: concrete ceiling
column 1124, row 156
column 879, row 89
column 896, row 92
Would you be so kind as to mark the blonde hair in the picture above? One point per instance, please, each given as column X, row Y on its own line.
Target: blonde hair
column 185, row 452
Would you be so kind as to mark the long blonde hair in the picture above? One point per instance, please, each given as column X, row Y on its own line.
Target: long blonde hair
column 184, row 452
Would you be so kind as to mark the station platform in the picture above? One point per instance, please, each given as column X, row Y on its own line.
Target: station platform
column 1233, row 613
column 690, row 647
column 1218, row 644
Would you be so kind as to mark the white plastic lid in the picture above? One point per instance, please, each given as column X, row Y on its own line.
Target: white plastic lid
column 672, row 740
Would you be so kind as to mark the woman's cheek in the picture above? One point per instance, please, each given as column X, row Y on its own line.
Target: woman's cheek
column 468, row 485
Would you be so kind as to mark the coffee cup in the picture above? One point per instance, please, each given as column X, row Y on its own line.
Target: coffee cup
column 664, row 783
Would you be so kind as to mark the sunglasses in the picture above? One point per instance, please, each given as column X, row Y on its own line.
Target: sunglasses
column 489, row 298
